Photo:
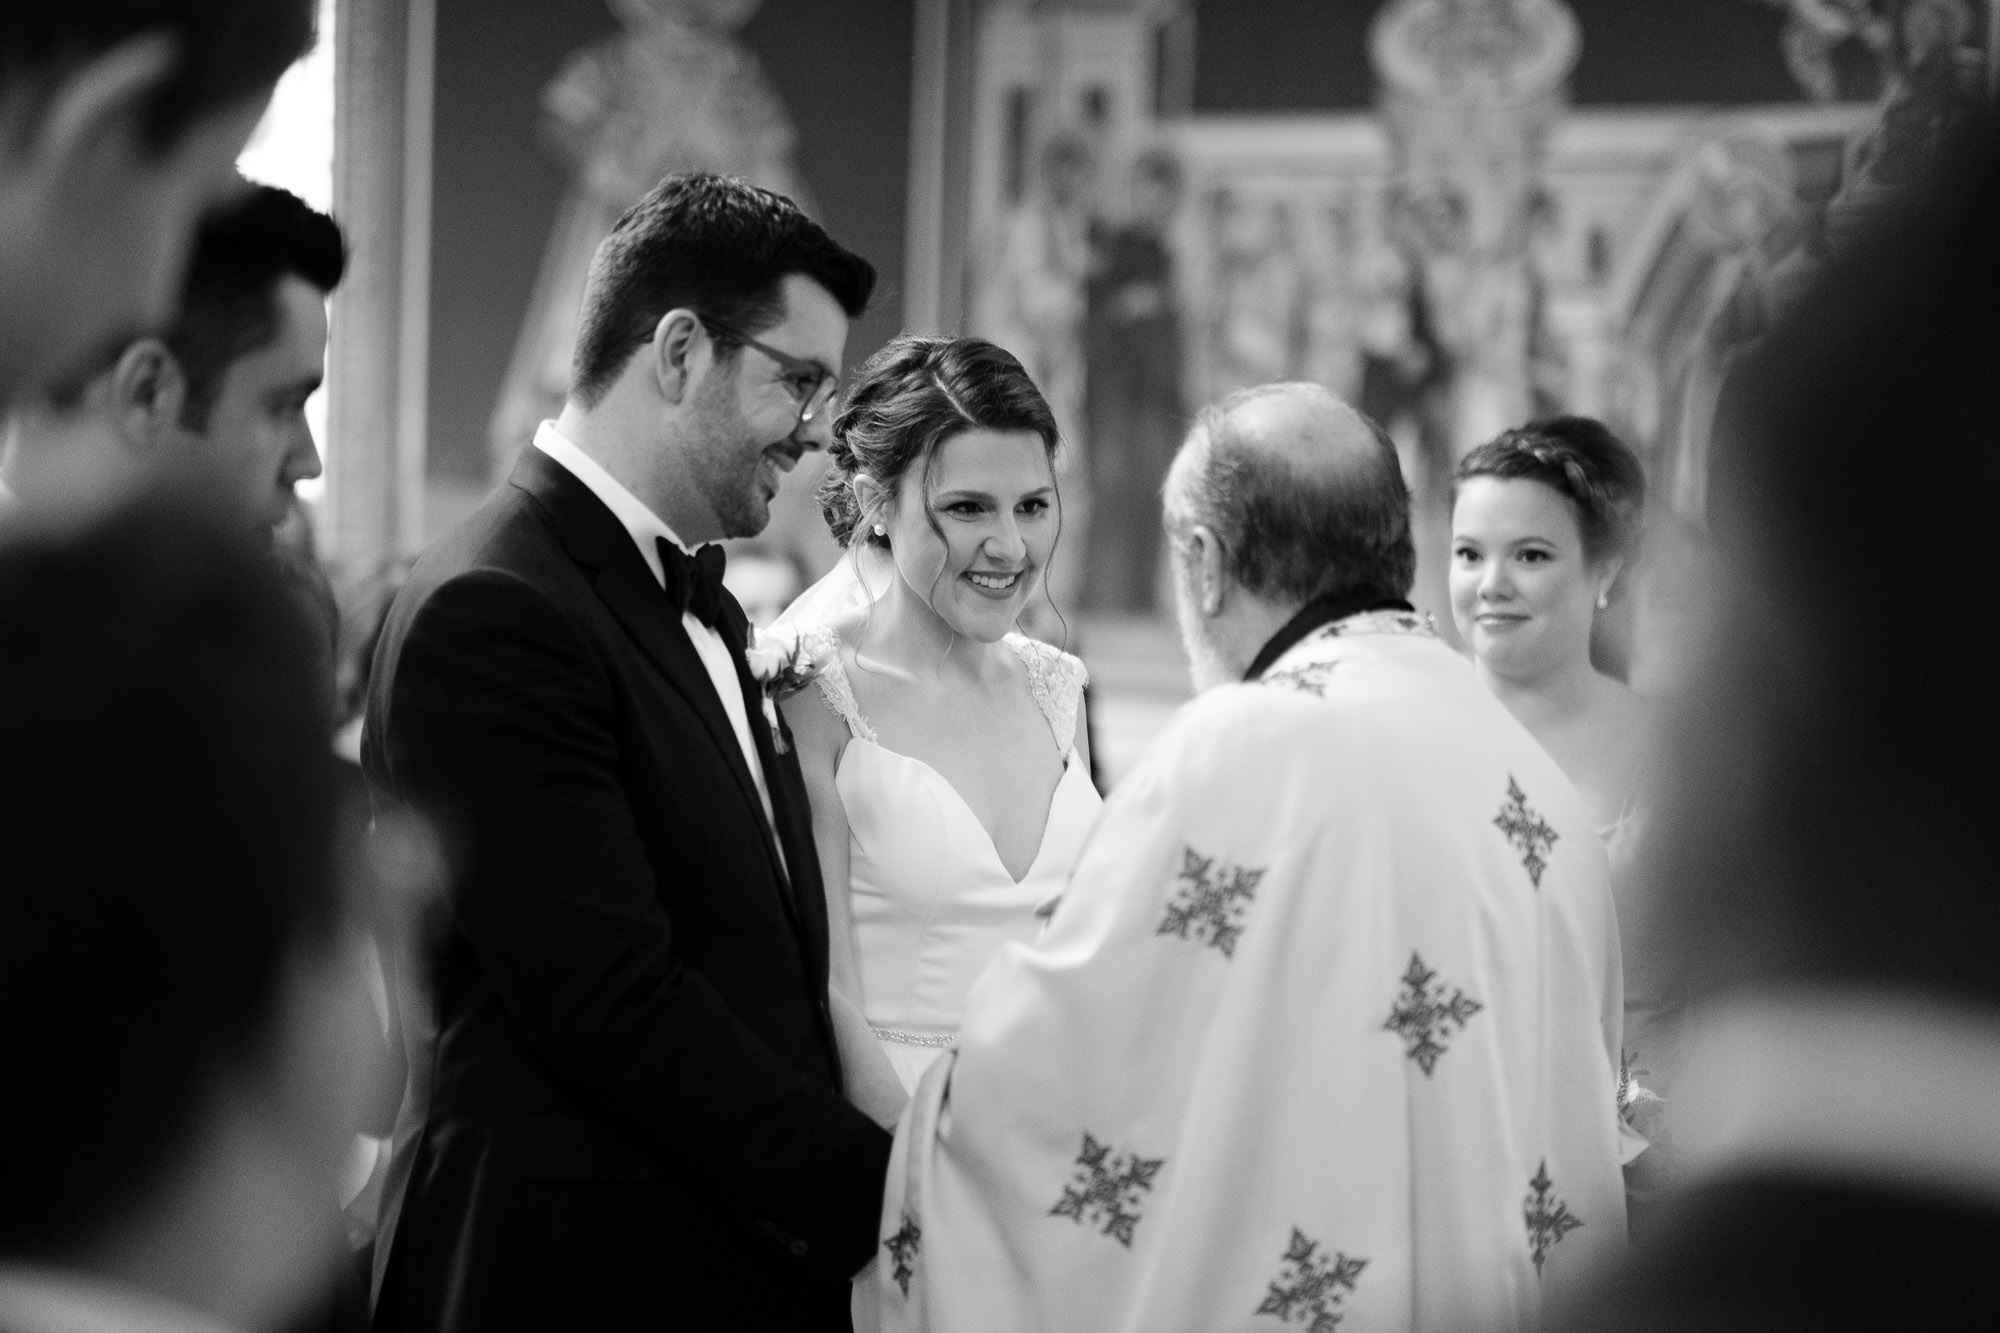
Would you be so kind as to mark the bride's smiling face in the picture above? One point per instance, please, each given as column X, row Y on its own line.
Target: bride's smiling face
column 973, row 538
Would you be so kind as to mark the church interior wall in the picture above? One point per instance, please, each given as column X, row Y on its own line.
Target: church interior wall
column 843, row 72
column 1292, row 244
column 495, row 192
column 1635, row 53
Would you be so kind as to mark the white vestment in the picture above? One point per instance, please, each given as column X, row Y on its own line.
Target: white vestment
column 1324, row 1031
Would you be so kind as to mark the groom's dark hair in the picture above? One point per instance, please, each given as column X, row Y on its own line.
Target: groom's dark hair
column 167, row 810
column 712, row 244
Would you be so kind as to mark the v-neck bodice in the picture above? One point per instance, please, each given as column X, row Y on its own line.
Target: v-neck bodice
column 930, row 897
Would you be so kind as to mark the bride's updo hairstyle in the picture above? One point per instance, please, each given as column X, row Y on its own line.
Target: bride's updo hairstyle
column 909, row 398
column 1581, row 460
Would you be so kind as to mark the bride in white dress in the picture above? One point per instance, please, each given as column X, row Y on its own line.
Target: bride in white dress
column 944, row 751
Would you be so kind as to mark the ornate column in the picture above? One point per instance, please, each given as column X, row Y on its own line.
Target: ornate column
column 1470, row 92
column 940, row 203
column 377, row 360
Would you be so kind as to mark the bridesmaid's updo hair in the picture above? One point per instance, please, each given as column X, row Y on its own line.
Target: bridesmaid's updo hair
column 909, row 398
column 1581, row 460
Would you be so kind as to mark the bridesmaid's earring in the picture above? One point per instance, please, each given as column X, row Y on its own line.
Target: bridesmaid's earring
column 1603, row 598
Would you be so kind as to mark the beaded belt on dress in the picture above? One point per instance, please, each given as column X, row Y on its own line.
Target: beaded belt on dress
column 904, row 1037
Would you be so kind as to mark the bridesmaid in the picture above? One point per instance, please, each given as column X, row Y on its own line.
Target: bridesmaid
column 1545, row 529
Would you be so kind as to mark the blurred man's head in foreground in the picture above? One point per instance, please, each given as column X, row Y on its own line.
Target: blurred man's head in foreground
column 181, row 1022
column 1835, row 783
column 120, row 121
column 221, row 392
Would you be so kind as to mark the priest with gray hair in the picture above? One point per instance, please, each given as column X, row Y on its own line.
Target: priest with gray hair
column 1326, row 1024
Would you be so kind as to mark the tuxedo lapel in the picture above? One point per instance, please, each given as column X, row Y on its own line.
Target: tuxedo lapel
column 596, row 540
column 789, row 811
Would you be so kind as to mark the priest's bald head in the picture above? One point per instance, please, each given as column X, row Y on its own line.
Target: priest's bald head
column 1281, row 497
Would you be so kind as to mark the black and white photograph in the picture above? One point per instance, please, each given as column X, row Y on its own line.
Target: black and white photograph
column 999, row 666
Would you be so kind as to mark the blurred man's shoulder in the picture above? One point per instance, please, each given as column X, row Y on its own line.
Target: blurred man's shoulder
column 1783, row 1251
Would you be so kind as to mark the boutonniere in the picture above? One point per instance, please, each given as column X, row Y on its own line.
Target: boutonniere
column 782, row 664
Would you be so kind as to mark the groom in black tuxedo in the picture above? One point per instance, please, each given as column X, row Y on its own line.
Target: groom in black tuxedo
column 626, row 1102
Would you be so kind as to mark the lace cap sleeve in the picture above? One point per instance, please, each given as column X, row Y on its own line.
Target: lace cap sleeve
column 822, row 644
column 1056, row 680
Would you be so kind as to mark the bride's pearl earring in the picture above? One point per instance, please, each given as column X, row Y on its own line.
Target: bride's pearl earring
column 881, row 531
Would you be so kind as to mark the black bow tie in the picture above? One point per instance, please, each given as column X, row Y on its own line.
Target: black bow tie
column 694, row 582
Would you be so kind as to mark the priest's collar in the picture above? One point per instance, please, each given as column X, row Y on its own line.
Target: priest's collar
column 1320, row 611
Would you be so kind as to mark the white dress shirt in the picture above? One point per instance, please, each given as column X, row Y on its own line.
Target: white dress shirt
column 645, row 526
column 50, row 1300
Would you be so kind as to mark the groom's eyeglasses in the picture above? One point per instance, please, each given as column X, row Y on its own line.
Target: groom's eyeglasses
column 808, row 381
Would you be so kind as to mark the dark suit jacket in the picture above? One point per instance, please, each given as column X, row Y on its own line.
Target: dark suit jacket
column 1794, row 1252
column 626, row 1107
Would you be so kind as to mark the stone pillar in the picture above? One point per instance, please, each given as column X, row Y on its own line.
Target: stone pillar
column 939, row 222
column 377, row 360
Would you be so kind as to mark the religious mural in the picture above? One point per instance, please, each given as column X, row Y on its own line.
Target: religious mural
column 1475, row 252
column 1075, row 199
column 675, row 91
column 1133, row 407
